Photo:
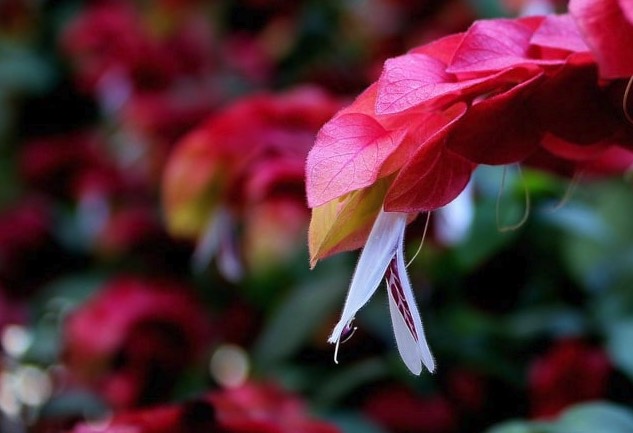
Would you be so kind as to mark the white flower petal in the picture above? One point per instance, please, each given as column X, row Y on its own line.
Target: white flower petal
column 372, row 264
column 217, row 241
column 209, row 242
column 407, row 324
column 453, row 221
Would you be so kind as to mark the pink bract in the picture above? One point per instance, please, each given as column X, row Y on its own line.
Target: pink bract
column 607, row 26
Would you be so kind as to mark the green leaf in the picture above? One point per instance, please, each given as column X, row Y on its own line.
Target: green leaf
column 598, row 417
column 54, row 302
column 76, row 403
column 546, row 320
column 484, row 239
column 520, row 427
column 21, row 70
column 595, row 417
column 597, row 234
column 354, row 423
column 620, row 347
column 348, row 379
column 303, row 311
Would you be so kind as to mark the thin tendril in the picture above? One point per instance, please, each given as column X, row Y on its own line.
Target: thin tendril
column 426, row 226
column 526, row 214
column 625, row 99
column 351, row 334
column 571, row 187
column 347, row 337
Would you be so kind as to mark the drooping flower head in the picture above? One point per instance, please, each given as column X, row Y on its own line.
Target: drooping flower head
column 506, row 91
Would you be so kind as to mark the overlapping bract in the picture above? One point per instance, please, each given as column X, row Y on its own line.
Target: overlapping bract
column 505, row 91
column 607, row 26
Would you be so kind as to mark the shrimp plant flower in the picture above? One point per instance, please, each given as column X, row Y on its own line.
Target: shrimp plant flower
column 530, row 90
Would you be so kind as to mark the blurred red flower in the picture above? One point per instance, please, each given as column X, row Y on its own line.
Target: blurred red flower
column 571, row 371
column 64, row 165
column 251, row 408
column 467, row 389
column 152, row 122
column 29, row 253
column 121, row 341
column 400, row 410
column 254, row 407
column 109, row 38
column 242, row 168
column 127, row 229
column 113, row 47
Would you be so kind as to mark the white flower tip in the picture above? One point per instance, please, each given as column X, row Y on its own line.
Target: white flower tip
column 430, row 365
column 343, row 331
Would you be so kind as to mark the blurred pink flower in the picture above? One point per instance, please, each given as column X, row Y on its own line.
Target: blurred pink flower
column 122, row 341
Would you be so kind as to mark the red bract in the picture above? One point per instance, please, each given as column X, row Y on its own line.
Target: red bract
column 434, row 174
column 605, row 162
column 121, row 342
column 555, row 377
column 607, row 25
column 351, row 146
